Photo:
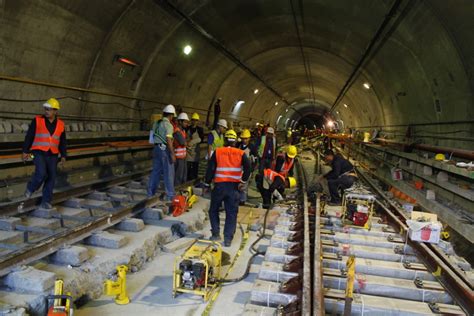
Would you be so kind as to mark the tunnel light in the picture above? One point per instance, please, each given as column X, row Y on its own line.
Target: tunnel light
column 255, row 91
column 187, row 49
column 286, row 111
column 279, row 118
column 330, row 123
column 237, row 106
column 125, row 60
column 366, row 85
column 337, row 112
column 345, row 105
column 276, row 103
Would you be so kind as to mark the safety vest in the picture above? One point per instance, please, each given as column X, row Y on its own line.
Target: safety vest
column 218, row 140
column 180, row 150
column 43, row 140
column 285, row 168
column 263, row 142
column 229, row 164
column 270, row 175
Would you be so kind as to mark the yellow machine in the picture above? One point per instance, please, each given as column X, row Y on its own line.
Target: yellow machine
column 116, row 285
column 62, row 303
column 198, row 270
column 358, row 207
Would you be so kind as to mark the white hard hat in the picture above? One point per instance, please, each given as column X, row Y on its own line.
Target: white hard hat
column 169, row 109
column 222, row 123
column 183, row 116
column 270, row 130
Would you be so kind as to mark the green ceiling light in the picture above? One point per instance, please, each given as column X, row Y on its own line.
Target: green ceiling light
column 187, row 49
column 367, row 85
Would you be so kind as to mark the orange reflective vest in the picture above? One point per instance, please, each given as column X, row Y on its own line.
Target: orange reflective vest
column 287, row 164
column 270, row 175
column 43, row 140
column 229, row 164
column 180, row 150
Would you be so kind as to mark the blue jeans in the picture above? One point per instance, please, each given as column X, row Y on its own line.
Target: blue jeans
column 228, row 193
column 45, row 172
column 162, row 165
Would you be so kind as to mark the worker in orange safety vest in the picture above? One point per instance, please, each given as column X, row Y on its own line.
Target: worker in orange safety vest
column 45, row 141
column 273, row 184
column 229, row 167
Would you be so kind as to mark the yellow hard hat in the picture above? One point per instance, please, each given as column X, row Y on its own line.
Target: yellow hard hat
column 440, row 157
column 245, row 134
column 52, row 104
column 292, row 182
column 291, row 151
column 231, row 135
column 195, row 116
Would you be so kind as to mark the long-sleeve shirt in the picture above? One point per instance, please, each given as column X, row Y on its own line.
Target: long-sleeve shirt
column 339, row 166
column 212, row 165
column 51, row 126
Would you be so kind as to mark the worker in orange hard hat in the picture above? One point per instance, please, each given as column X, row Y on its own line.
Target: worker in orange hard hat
column 46, row 141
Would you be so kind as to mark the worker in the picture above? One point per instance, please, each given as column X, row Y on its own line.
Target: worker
column 229, row 167
column 285, row 162
column 215, row 139
column 46, row 141
column 251, row 152
column 257, row 132
column 180, row 138
column 271, row 183
column 288, row 136
column 341, row 176
column 163, row 154
column 266, row 149
column 195, row 135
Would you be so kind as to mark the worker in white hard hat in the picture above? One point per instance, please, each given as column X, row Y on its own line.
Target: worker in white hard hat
column 195, row 135
column 216, row 137
column 163, row 154
column 180, row 142
column 180, row 139
column 267, row 149
column 46, row 141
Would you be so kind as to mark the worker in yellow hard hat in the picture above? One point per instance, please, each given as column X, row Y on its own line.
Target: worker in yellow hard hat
column 285, row 161
column 229, row 168
column 46, row 141
column 272, row 184
column 195, row 137
column 251, row 151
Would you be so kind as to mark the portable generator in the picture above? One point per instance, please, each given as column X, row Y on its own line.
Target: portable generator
column 197, row 271
column 358, row 207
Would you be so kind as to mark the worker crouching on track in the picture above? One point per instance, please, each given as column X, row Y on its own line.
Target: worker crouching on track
column 342, row 176
column 271, row 183
column 163, row 154
column 229, row 167
column 45, row 139
column 180, row 148
column 251, row 152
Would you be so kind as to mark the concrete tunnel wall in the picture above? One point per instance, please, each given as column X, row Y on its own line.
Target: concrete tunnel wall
column 422, row 73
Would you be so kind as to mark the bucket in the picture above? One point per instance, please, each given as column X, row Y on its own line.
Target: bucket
column 425, row 233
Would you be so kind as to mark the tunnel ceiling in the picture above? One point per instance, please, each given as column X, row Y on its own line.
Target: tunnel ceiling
column 423, row 62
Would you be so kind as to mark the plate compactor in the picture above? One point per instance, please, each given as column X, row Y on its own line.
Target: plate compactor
column 198, row 270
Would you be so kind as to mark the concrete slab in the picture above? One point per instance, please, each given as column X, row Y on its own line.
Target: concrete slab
column 272, row 271
column 152, row 215
column 97, row 204
column 45, row 213
column 41, row 222
column 134, row 185
column 117, row 190
column 70, row 211
column 258, row 310
column 268, row 293
column 9, row 223
column 131, row 225
column 29, row 279
column 278, row 255
column 370, row 253
column 97, row 195
column 11, row 237
column 107, row 240
column 178, row 244
column 74, row 256
column 74, row 202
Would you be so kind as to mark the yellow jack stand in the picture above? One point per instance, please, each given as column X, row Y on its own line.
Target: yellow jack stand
column 62, row 303
column 117, row 286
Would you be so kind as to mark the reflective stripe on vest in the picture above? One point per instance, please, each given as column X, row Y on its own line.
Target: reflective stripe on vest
column 229, row 164
column 218, row 140
column 270, row 175
column 285, row 169
column 180, row 150
column 43, row 140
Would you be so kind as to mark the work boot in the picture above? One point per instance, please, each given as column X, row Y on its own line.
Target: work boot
column 227, row 243
column 215, row 237
column 46, row 206
column 28, row 194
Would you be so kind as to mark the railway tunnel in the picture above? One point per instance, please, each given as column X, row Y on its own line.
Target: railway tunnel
column 386, row 85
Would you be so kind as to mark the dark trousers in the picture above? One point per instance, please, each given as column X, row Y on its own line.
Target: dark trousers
column 45, row 172
column 265, row 163
column 228, row 193
column 343, row 182
column 193, row 168
column 267, row 193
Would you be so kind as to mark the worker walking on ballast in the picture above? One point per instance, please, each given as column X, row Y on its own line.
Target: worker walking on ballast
column 163, row 154
column 229, row 167
column 45, row 139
